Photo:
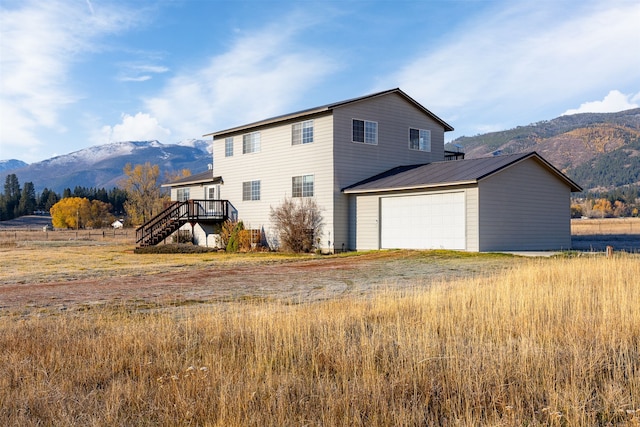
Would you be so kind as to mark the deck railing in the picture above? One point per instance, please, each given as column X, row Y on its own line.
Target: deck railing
column 179, row 213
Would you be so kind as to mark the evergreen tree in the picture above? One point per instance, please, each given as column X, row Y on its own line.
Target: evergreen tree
column 11, row 199
column 27, row 203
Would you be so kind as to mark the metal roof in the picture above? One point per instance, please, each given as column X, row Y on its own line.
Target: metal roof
column 447, row 173
column 205, row 177
column 328, row 108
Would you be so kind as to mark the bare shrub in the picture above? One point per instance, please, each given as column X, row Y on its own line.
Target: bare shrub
column 298, row 223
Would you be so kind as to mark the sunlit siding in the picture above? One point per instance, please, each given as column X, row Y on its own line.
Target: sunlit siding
column 196, row 191
column 357, row 161
column 524, row 207
column 471, row 203
column 274, row 166
column 367, row 215
column 367, row 222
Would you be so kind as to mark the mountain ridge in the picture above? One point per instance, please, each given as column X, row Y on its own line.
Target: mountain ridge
column 101, row 166
column 600, row 151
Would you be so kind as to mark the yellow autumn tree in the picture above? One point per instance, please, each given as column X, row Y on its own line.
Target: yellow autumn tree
column 144, row 198
column 77, row 212
column 603, row 207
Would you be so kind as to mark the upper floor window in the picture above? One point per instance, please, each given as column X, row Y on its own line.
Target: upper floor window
column 251, row 190
column 302, row 133
column 182, row 194
column 228, row 147
column 420, row 139
column 302, row 186
column 365, row 131
column 251, row 143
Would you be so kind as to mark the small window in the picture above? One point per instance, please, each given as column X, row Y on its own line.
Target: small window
column 302, row 133
column 302, row 186
column 251, row 190
column 251, row 143
column 420, row 139
column 228, row 147
column 182, row 194
column 365, row 132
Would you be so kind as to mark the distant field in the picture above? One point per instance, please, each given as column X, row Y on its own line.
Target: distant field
column 617, row 226
column 596, row 234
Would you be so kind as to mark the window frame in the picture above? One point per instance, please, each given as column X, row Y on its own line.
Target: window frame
column 251, row 190
column 366, row 133
column 427, row 146
column 301, row 188
column 228, row 146
column 251, row 142
column 183, row 194
column 298, row 130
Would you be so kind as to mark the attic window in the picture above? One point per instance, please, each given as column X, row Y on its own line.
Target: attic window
column 365, row 132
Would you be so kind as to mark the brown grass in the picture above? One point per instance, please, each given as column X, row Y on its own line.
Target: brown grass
column 548, row 342
column 617, row 226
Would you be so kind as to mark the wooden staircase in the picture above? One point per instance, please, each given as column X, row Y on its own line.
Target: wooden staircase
column 177, row 214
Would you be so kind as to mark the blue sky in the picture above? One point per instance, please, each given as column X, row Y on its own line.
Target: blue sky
column 77, row 73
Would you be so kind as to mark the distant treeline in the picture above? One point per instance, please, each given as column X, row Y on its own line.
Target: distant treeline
column 619, row 202
column 16, row 201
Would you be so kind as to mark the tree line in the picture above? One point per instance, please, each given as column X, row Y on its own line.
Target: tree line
column 16, row 201
column 619, row 202
column 137, row 199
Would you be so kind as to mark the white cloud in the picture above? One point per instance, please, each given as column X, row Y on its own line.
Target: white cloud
column 140, row 72
column 39, row 43
column 613, row 102
column 519, row 59
column 141, row 127
column 259, row 76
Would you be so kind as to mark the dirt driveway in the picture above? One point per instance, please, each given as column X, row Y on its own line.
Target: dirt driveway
column 152, row 280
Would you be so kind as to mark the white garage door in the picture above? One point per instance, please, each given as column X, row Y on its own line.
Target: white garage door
column 434, row 221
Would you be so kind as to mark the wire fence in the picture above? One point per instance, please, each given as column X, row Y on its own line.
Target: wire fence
column 42, row 234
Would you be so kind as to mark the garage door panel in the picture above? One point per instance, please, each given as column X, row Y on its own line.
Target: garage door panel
column 433, row 221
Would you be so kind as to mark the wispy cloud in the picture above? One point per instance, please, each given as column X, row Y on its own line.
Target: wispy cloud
column 522, row 57
column 39, row 43
column 140, row 72
column 261, row 74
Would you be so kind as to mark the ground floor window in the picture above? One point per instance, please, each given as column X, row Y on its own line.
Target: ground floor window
column 251, row 190
column 182, row 194
column 302, row 186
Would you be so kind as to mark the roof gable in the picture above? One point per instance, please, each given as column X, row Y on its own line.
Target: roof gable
column 447, row 173
column 327, row 109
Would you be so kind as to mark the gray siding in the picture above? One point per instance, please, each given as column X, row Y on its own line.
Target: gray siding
column 354, row 162
column 274, row 166
column 368, row 216
column 473, row 225
column 524, row 207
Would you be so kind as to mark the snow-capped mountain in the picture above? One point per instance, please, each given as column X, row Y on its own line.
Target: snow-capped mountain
column 101, row 166
column 11, row 164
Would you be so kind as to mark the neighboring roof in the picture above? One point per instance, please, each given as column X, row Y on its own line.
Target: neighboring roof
column 205, row 177
column 328, row 108
column 446, row 173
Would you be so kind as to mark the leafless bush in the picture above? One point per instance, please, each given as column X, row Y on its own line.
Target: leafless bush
column 298, row 223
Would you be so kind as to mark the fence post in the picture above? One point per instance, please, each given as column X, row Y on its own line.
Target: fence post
column 609, row 251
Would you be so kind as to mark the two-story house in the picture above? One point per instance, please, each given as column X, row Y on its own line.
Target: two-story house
column 376, row 167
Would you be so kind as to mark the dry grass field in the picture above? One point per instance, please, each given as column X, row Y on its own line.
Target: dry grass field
column 93, row 334
column 597, row 234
